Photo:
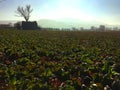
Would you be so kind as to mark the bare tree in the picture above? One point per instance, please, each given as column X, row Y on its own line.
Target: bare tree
column 24, row 12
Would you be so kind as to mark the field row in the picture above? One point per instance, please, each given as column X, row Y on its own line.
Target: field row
column 59, row 60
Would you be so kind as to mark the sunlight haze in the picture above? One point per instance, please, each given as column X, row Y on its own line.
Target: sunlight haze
column 100, row 11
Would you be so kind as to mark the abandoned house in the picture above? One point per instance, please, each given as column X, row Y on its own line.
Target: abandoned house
column 26, row 25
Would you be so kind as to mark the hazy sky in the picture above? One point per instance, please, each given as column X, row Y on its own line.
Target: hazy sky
column 106, row 11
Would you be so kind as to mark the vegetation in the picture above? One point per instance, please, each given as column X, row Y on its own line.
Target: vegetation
column 59, row 60
column 24, row 12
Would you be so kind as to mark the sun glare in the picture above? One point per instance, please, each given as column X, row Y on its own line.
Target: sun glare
column 69, row 13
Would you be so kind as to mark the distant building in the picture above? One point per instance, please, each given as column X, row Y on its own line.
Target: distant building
column 74, row 29
column 81, row 28
column 108, row 28
column 17, row 25
column 102, row 27
column 115, row 28
column 26, row 25
column 5, row 25
column 93, row 28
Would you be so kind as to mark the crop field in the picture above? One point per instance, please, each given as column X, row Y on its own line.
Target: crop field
column 59, row 60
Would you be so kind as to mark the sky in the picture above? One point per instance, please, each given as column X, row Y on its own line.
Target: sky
column 104, row 11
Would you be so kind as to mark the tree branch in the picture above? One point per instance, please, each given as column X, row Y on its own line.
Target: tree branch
column 24, row 12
